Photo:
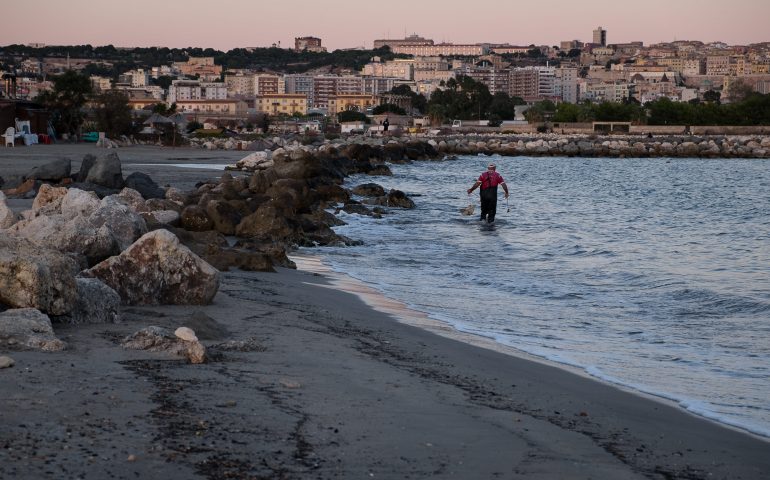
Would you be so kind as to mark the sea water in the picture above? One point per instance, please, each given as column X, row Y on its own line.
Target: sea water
column 653, row 274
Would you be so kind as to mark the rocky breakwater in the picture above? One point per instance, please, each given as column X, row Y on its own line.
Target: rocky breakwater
column 285, row 198
column 88, row 245
column 688, row 146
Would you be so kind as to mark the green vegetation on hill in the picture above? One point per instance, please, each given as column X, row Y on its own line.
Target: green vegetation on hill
column 754, row 109
column 111, row 61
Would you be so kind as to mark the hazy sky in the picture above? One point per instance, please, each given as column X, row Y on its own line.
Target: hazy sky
column 226, row 24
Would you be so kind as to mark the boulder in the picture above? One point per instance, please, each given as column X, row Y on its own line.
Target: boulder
column 125, row 224
column 96, row 303
column 106, row 171
column 195, row 219
column 158, row 339
column 48, row 200
column 394, row 198
column 35, row 277
column 77, row 235
column 79, row 203
column 369, row 190
column 28, row 328
column 85, row 167
column 265, row 224
column 54, row 171
column 158, row 270
column 145, row 185
column 132, row 199
column 7, row 217
column 224, row 216
column 176, row 195
column 161, row 217
column 6, row 362
column 256, row 161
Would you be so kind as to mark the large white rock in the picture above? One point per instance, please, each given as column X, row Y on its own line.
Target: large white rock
column 77, row 235
column 256, row 161
column 25, row 328
column 35, row 277
column 7, row 217
column 125, row 224
column 158, row 270
column 79, row 203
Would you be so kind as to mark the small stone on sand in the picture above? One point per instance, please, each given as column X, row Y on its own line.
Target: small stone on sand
column 186, row 334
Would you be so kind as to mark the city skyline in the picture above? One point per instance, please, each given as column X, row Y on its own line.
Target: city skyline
column 346, row 24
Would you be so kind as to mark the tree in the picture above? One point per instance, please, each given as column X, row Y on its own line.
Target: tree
column 502, row 106
column 462, row 98
column 739, row 91
column 388, row 107
column 540, row 111
column 163, row 81
column 66, row 100
column 712, row 96
column 195, row 125
column 163, row 109
column 113, row 114
column 352, row 116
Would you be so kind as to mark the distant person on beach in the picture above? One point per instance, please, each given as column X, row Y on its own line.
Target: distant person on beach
column 488, row 181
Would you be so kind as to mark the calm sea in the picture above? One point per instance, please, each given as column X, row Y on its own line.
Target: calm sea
column 653, row 274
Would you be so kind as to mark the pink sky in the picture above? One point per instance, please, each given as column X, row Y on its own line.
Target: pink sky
column 226, row 24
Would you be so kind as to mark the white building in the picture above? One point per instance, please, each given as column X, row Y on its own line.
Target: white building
column 181, row 90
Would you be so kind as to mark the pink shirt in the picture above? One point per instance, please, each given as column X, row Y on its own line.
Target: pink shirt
column 490, row 179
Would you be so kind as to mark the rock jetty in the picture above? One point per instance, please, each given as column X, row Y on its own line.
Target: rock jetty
column 572, row 145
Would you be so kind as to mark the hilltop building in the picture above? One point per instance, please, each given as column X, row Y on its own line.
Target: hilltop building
column 308, row 44
column 600, row 37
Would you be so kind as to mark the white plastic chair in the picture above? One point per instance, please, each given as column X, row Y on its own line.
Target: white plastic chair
column 10, row 136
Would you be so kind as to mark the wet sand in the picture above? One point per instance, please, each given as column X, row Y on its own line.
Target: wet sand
column 321, row 385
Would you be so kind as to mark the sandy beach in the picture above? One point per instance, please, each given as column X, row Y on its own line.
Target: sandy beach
column 306, row 381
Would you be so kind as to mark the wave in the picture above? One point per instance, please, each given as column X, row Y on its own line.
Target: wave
column 709, row 304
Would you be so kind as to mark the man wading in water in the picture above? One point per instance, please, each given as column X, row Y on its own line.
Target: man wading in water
column 489, row 181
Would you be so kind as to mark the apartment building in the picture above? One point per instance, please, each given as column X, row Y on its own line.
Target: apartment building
column 413, row 39
column 136, row 78
column 523, row 83
column 358, row 103
column 436, row 76
column 604, row 92
column 219, row 107
column 718, row 65
column 281, row 104
column 600, row 36
column 442, row 49
column 100, row 84
column 240, row 84
column 566, row 84
column 379, row 85
column 430, row 63
column 268, row 84
column 399, row 68
column 326, row 86
column 300, row 84
column 509, row 49
column 182, row 90
column 496, row 79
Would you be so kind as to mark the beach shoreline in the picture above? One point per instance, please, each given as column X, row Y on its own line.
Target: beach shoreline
column 307, row 380
column 377, row 300
column 341, row 391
